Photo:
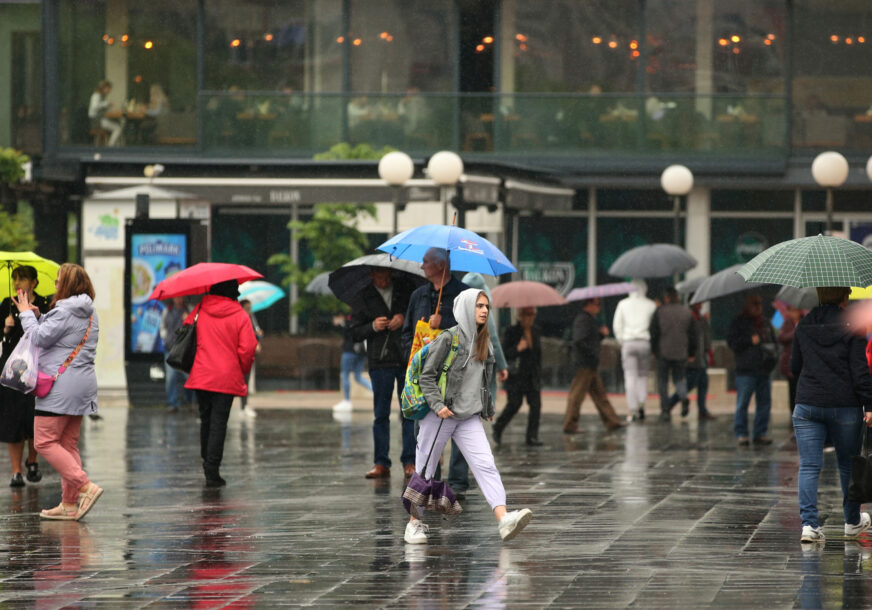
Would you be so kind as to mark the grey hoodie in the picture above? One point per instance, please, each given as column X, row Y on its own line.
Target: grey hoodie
column 58, row 332
column 465, row 372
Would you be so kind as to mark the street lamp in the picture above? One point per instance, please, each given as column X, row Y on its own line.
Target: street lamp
column 445, row 168
column 830, row 170
column 676, row 180
column 396, row 168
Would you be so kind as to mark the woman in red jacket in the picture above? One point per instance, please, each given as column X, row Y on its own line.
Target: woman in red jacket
column 225, row 353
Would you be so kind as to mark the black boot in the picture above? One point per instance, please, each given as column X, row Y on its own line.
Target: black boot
column 213, row 479
column 685, row 407
column 498, row 434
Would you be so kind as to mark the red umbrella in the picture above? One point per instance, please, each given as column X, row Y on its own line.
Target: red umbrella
column 197, row 279
column 526, row 294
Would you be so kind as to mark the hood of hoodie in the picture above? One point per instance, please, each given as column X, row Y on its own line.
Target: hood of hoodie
column 826, row 325
column 220, row 307
column 641, row 291
column 464, row 313
column 476, row 280
column 79, row 305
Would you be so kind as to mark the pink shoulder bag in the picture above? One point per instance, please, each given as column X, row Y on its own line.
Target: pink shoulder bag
column 44, row 382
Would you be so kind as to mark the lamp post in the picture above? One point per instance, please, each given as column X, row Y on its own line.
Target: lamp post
column 445, row 168
column 676, row 180
column 396, row 168
column 830, row 170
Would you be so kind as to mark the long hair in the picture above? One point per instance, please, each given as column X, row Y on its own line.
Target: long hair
column 72, row 280
column 482, row 339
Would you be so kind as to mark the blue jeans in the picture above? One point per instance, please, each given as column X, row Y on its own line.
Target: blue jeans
column 759, row 386
column 383, row 382
column 812, row 425
column 348, row 364
column 171, row 379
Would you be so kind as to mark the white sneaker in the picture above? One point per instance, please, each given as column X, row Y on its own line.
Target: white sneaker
column 342, row 405
column 249, row 412
column 852, row 531
column 512, row 523
column 416, row 532
column 814, row 534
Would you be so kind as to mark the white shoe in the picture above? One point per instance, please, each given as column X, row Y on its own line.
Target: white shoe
column 342, row 405
column 852, row 531
column 814, row 534
column 416, row 532
column 249, row 412
column 512, row 523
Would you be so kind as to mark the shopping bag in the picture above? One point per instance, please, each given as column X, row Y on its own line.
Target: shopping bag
column 20, row 372
column 860, row 487
column 423, row 335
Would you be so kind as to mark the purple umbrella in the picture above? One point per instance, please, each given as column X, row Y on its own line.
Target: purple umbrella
column 421, row 494
column 598, row 292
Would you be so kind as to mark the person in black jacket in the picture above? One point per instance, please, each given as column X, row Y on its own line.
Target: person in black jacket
column 752, row 340
column 829, row 360
column 377, row 318
column 523, row 349
column 586, row 338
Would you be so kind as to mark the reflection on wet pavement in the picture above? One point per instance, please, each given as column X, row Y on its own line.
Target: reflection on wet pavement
column 654, row 516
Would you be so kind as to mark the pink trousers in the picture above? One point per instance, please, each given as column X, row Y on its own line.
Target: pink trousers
column 56, row 438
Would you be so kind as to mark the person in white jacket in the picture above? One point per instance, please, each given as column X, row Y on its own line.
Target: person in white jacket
column 630, row 325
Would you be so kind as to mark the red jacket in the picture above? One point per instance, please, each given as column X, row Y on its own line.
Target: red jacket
column 225, row 347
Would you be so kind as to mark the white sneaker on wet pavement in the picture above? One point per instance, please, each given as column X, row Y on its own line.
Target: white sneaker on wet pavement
column 512, row 523
column 416, row 532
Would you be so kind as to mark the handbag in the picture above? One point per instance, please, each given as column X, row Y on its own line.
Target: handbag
column 44, row 382
column 182, row 353
column 860, row 487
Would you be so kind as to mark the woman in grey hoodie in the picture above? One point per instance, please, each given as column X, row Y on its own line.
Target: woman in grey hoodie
column 467, row 400
column 67, row 340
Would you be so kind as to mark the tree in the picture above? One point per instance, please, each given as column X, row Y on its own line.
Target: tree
column 16, row 228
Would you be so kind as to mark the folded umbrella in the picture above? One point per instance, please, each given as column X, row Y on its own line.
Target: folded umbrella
column 653, row 260
column 422, row 494
column 260, row 294
column 526, row 294
column 352, row 277
column 600, row 291
column 721, row 284
column 197, row 279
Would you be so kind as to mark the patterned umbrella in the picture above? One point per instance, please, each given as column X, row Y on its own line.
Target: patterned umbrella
column 822, row 260
column 598, row 292
column 653, row 260
column 721, row 284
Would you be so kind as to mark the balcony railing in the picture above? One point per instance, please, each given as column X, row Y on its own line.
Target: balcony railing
column 299, row 125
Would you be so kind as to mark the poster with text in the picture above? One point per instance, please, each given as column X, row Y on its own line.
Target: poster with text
column 153, row 258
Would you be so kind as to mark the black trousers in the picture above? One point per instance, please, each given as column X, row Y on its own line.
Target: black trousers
column 516, row 392
column 214, row 413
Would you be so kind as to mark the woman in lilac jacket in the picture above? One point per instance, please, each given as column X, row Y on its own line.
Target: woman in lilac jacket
column 69, row 327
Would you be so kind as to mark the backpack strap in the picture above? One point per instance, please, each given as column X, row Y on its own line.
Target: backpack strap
column 452, row 352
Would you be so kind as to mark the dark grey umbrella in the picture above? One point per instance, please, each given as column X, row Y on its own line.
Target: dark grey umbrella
column 654, row 260
column 801, row 298
column 690, row 286
column 352, row 277
column 318, row 285
column 721, row 284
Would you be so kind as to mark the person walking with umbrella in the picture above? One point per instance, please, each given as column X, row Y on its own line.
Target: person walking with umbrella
column 225, row 352
column 458, row 414
column 524, row 349
column 673, row 340
column 632, row 323
column 752, row 340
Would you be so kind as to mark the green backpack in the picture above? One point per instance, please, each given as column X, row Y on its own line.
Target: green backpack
column 412, row 401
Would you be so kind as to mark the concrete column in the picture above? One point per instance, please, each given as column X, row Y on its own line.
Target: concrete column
column 698, row 230
column 507, row 46
column 591, row 237
column 704, row 77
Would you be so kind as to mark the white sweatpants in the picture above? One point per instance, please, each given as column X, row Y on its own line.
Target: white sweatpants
column 636, row 360
column 472, row 441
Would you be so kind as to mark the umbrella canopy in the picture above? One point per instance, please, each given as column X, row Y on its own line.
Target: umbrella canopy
column 467, row 250
column 822, row 260
column 526, row 294
column 801, row 298
column 598, row 292
column 689, row 286
column 261, row 294
column 653, row 260
column 319, row 284
column 721, row 284
column 352, row 277
column 46, row 272
column 197, row 279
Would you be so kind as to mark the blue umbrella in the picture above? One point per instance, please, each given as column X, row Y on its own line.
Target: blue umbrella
column 468, row 251
column 261, row 294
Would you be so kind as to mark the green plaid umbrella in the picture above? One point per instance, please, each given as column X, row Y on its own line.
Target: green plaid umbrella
column 821, row 260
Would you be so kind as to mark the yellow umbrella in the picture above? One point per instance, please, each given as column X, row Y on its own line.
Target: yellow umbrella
column 46, row 272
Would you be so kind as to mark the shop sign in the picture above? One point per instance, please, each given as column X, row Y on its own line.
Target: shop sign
column 559, row 275
column 749, row 245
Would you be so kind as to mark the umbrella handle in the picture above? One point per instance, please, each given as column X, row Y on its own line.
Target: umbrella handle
column 433, row 446
column 439, row 300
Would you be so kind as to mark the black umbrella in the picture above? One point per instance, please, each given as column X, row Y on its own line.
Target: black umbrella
column 721, row 284
column 653, row 260
column 352, row 277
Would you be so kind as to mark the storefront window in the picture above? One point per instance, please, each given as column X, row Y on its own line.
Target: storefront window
column 128, row 73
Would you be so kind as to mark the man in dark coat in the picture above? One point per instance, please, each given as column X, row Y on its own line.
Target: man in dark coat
column 523, row 350
column 586, row 337
column 377, row 318
column 673, row 341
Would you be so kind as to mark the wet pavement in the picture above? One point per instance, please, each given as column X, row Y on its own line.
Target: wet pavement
column 653, row 516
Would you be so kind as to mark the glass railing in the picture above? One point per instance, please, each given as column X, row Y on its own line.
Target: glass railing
column 300, row 125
